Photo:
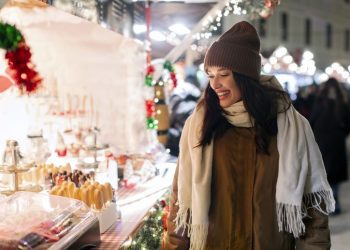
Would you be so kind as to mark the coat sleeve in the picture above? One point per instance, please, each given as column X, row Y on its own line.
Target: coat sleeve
column 171, row 239
column 317, row 233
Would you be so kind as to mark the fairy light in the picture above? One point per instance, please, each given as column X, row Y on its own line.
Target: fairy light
column 292, row 67
column 329, row 70
column 338, row 71
column 282, row 60
column 236, row 7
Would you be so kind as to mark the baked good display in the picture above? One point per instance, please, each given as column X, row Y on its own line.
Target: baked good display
column 93, row 194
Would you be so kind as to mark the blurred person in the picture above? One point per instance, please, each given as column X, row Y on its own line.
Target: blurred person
column 182, row 102
column 305, row 100
column 249, row 174
column 330, row 121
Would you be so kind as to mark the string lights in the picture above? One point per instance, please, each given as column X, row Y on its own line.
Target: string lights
column 282, row 61
column 254, row 8
column 85, row 9
column 339, row 72
column 154, row 223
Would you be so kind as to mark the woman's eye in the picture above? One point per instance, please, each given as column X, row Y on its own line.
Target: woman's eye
column 210, row 77
column 224, row 75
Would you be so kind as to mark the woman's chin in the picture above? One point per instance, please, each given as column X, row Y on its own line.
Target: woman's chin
column 224, row 104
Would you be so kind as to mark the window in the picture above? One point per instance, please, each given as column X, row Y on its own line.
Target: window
column 329, row 36
column 308, row 31
column 284, row 26
column 347, row 40
column 262, row 28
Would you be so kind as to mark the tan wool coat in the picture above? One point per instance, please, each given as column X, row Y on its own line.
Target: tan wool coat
column 242, row 214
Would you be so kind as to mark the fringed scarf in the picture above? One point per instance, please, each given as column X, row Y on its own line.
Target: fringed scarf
column 301, row 183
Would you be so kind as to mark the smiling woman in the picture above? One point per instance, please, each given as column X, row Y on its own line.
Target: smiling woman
column 222, row 82
column 248, row 164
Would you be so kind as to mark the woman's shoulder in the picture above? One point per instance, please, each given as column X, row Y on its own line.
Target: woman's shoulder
column 270, row 81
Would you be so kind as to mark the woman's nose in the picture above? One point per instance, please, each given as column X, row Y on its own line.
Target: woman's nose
column 216, row 83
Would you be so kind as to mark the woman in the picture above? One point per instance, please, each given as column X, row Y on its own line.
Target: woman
column 250, row 175
column 330, row 121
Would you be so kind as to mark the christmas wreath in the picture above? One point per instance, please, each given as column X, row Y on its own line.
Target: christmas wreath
column 18, row 57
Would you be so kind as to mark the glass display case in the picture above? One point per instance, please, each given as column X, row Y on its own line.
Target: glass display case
column 40, row 221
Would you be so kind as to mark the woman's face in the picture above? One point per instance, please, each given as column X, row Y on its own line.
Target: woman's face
column 221, row 80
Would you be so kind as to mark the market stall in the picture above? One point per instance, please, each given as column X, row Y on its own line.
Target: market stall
column 87, row 69
column 81, row 136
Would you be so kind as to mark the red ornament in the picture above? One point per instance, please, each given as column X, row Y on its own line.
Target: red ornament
column 269, row 7
column 268, row 3
column 150, row 108
column 271, row 4
column 165, row 217
column 150, row 70
column 22, row 70
column 173, row 79
column 163, row 203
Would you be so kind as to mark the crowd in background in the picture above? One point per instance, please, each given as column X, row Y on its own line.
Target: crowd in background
column 327, row 108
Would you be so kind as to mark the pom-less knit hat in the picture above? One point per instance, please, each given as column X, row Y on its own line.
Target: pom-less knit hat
column 236, row 49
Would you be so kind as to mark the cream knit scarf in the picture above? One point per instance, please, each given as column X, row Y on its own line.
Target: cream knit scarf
column 301, row 182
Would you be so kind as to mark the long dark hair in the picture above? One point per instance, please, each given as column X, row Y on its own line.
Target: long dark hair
column 261, row 102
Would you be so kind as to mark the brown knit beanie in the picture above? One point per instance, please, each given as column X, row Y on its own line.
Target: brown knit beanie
column 236, row 49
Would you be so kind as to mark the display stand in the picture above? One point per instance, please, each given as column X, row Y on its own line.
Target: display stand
column 15, row 171
column 13, row 167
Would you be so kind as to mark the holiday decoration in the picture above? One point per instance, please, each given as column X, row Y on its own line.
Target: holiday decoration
column 269, row 7
column 254, row 9
column 337, row 71
column 149, row 236
column 86, row 9
column 149, row 103
column 149, row 75
column 283, row 62
column 168, row 66
column 150, row 109
column 18, row 56
column 151, row 123
column 157, row 116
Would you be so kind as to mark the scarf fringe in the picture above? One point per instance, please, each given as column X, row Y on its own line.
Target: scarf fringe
column 314, row 200
column 197, row 233
column 181, row 221
column 290, row 217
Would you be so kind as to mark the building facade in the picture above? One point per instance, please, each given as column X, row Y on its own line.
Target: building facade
column 322, row 27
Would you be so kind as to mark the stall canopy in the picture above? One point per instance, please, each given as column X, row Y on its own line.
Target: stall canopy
column 82, row 62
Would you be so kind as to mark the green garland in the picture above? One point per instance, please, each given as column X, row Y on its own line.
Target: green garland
column 10, row 36
column 149, row 237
